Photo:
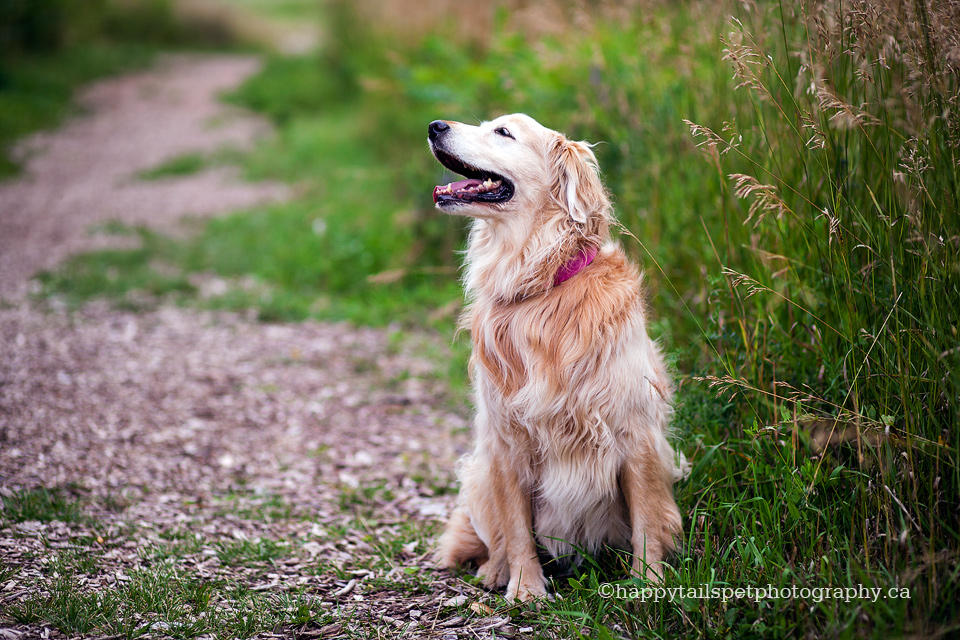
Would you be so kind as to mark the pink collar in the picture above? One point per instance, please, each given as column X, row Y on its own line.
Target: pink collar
column 575, row 266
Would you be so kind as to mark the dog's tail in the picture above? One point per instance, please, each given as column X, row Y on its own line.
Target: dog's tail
column 460, row 543
column 681, row 467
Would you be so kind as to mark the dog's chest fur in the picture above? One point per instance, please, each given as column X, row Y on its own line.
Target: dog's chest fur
column 556, row 367
column 554, row 341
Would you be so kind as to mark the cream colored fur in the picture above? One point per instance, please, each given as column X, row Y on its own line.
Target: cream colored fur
column 572, row 395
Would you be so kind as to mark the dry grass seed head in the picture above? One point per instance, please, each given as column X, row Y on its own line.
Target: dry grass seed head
column 834, row 225
column 764, row 198
column 741, row 279
column 817, row 139
column 747, row 60
column 845, row 116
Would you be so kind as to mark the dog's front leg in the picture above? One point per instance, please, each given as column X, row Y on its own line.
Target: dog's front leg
column 526, row 575
column 647, row 483
column 510, row 530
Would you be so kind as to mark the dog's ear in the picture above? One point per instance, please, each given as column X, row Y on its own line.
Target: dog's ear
column 576, row 180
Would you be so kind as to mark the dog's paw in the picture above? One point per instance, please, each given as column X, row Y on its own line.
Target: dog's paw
column 524, row 589
column 651, row 570
column 654, row 573
column 493, row 574
column 671, row 529
column 649, row 550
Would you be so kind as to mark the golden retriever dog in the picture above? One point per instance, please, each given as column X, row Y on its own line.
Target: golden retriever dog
column 572, row 395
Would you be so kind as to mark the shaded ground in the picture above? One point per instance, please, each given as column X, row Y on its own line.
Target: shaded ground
column 308, row 458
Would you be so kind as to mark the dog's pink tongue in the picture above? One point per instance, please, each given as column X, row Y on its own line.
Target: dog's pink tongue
column 454, row 187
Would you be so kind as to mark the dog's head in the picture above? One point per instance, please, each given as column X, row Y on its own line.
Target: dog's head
column 515, row 166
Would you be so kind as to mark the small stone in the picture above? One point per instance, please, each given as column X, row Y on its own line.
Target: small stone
column 456, row 601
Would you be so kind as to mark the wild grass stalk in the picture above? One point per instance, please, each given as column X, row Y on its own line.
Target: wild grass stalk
column 855, row 309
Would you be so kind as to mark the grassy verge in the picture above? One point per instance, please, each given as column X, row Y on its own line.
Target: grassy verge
column 236, row 568
column 83, row 590
column 323, row 255
column 806, row 268
column 184, row 165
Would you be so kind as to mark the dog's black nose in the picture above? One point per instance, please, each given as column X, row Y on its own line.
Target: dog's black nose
column 436, row 128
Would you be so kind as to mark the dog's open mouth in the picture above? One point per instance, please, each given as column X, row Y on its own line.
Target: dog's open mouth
column 480, row 185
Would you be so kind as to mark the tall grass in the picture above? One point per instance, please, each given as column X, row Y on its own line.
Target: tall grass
column 837, row 326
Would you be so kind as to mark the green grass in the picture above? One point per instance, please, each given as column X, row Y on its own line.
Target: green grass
column 267, row 508
column 166, row 601
column 184, row 165
column 249, row 552
column 79, row 591
column 134, row 278
column 161, row 594
column 42, row 505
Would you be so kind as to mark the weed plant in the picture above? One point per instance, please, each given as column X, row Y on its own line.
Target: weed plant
column 42, row 505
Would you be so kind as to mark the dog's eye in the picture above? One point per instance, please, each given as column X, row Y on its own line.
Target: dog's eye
column 502, row 131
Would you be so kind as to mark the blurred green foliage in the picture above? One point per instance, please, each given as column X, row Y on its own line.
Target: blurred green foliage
column 45, row 26
column 33, row 25
column 49, row 47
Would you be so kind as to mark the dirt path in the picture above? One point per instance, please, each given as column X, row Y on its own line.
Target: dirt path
column 183, row 432
column 85, row 173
